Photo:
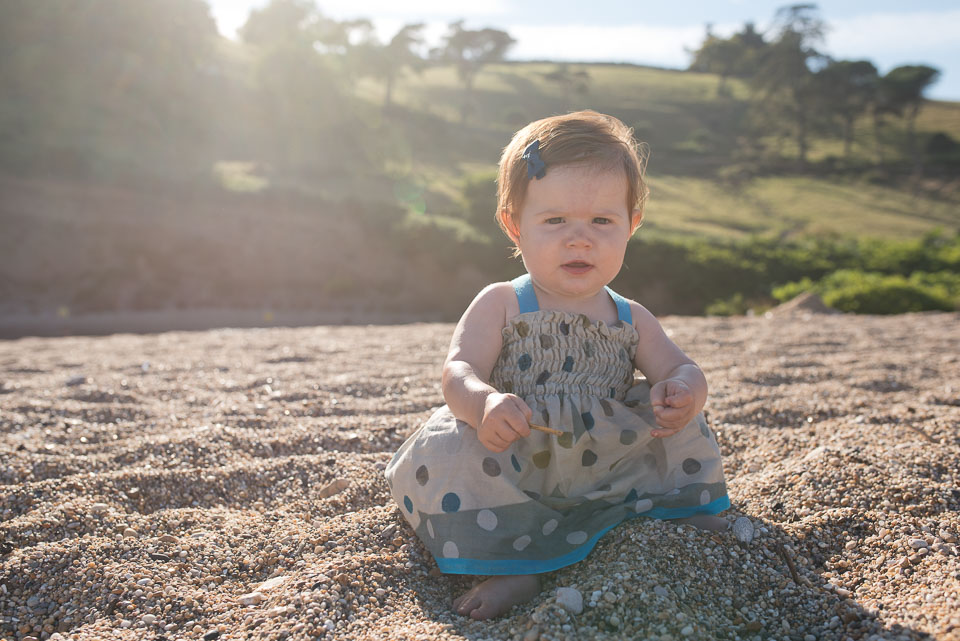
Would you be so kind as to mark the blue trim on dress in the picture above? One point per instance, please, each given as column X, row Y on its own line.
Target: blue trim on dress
column 623, row 307
column 508, row 567
column 527, row 298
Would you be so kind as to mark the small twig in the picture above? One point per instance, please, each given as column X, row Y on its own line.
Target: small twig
column 548, row 430
column 790, row 566
column 922, row 433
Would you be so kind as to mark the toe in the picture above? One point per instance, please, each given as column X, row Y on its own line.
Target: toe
column 484, row 611
column 467, row 603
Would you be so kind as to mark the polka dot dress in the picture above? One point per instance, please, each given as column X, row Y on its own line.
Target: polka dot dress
column 543, row 503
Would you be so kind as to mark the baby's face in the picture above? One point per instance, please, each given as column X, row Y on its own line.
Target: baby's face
column 573, row 230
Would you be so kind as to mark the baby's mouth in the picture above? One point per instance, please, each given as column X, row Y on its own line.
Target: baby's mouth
column 577, row 267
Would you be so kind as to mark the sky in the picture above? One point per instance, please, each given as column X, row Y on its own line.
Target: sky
column 887, row 32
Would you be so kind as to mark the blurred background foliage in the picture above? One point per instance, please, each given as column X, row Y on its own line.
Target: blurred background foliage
column 149, row 163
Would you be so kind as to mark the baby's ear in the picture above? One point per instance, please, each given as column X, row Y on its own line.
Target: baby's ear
column 506, row 221
column 636, row 219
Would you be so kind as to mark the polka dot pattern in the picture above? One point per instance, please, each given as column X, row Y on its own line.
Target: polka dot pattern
column 450, row 502
column 588, row 421
column 487, row 520
column 691, row 466
column 576, row 380
column 576, row 538
column 491, row 467
column 607, row 407
column 542, row 459
column 422, row 475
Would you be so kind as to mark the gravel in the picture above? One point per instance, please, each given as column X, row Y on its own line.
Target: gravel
column 228, row 484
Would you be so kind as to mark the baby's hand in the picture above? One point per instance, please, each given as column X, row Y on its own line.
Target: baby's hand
column 505, row 419
column 672, row 405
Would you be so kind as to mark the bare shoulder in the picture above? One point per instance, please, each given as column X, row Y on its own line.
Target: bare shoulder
column 477, row 335
column 496, row 299
column 644, row 321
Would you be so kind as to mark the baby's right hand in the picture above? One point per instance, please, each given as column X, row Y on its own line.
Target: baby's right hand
column 505, row 419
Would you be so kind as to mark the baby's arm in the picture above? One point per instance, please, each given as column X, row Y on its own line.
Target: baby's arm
column 678, row 387
column 500, row 419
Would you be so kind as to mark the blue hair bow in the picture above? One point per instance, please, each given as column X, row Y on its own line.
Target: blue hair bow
column 535, row 166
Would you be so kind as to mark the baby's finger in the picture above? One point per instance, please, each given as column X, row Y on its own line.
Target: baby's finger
column 524, row 408
column 680, row 399
column 664, row 432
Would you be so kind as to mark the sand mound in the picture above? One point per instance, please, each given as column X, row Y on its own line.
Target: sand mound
column 229, row 484
column 805, row 303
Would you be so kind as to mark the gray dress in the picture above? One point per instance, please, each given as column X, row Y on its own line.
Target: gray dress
column 544, row 502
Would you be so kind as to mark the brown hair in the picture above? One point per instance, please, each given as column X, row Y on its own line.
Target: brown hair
column 583, row 138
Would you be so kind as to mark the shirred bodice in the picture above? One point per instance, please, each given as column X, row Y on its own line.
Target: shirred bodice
column 563, row 353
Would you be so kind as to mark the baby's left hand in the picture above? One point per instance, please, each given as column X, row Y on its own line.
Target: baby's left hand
column 672, row 405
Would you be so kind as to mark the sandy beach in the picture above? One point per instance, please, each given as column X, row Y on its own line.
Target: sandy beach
column 229, row 484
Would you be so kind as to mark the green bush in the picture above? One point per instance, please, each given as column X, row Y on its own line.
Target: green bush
column 851, row 290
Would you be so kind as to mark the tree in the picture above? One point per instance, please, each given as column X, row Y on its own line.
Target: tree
column 569, row 81
column 108, row 87
column 301, row 108
column 387, row 62
column 846, row 89
column 901, row 91
column 784, row 76
column 469, row 50
column 737, row 55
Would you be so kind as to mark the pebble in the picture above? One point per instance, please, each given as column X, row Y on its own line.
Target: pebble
column 334, row 487
column 130, row 533
column 269, row 584
column 687, row 630
column 148, row 619
column 918, row 543
column 661, row 591
column 251, row 598
column 73, row 381
column 99, row 508
column 743, row 529
column 570, row 600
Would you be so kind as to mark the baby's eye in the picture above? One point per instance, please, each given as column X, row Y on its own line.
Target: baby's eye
column 556, row 220
column 601, row 220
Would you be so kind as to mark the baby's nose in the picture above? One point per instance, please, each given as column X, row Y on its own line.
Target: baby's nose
column 579, row 236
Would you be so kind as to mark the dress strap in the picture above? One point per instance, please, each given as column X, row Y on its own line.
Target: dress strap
column 527, row 299
column 526, row 296
column 623, row 307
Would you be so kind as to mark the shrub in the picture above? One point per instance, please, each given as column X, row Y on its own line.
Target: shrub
column 851, row 290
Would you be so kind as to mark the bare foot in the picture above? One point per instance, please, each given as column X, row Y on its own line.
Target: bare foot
column 496, row 595
column 706, row 522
